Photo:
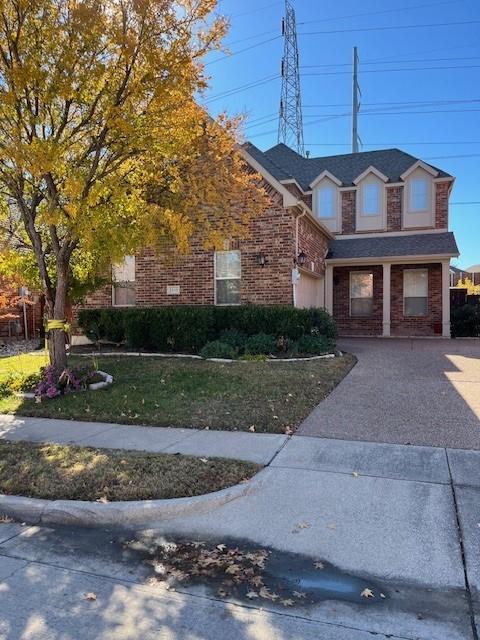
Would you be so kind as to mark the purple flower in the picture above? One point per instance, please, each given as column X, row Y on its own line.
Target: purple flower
column 52, row 392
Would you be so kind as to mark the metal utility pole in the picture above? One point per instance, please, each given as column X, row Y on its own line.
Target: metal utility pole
column 290, row 125
column 356, row 95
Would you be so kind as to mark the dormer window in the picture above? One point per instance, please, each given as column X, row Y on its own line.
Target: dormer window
column 418, row 200
column 419, row 194
column 326, row 202
column 371, row 205
column 371, row 199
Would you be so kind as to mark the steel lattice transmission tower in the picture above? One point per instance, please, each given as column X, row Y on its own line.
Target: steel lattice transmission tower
column 290, row 125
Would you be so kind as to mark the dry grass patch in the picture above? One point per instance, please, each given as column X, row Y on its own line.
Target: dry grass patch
column 60, row 472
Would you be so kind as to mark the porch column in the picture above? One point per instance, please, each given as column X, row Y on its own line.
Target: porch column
column 329, row 289
column 386, row 299
column 446, row 299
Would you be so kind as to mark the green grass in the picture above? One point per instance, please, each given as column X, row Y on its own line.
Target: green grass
column 26, row 364
column 60, row 472
column 270, row 396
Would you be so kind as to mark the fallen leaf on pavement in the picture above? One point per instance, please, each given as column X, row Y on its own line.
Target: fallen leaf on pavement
column 233, row 569
column 268, row 595
column 288, row 602
column 367, row 593
column 252, row 428
column 90, row 596
column 221, row 547
column 319, row 565
column 252, row 594
column 332, row 525
column 299, row 594
column 382, row 595
column 355, row 474
column 256, row 581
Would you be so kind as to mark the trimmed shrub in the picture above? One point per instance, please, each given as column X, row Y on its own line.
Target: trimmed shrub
column 314, row 345
column 218, row 349
column 233, row 337
column 466, row 321
column 260, row 343
column 188, row 328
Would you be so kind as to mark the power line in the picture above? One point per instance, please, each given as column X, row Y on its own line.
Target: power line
column 244, row 87
column 414, row 102
column 458, row 204
column 418, row 60
column 390, row 28
column 394, row 144
column 236, row 53
column 377, row 13
column 401, row 69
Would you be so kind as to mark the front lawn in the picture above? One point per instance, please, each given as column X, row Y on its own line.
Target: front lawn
column 60, row 472
column 268, row 396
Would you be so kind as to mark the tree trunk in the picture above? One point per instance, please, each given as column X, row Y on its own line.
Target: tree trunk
column 57, row 337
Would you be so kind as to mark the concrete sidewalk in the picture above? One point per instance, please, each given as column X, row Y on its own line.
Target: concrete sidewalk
column 405, row 517
column 253, row 447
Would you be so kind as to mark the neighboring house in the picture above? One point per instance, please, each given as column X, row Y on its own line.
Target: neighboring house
column 472, row 273
column 21, row 314
column 364, row 235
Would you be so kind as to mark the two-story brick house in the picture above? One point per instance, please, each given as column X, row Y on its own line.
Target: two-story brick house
column 364, row 235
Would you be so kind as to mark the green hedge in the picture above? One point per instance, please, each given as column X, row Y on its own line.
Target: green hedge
column 466, row 321
column 189, row 328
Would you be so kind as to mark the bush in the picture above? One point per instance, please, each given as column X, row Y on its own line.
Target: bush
column 16, row 382
column 218, row 349
column 466, row 321
column 314, row 345
column 260, row 343
column 188, row 328
column 234, row 338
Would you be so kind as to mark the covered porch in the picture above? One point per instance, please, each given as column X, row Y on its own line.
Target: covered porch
column 406, row 293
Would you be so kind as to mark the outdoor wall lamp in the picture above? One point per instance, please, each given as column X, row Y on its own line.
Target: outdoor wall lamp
column 302, row 256
column 261, row 259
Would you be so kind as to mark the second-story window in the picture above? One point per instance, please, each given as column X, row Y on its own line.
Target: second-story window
column 371, row 199
column 419, row 194
column 326, row 202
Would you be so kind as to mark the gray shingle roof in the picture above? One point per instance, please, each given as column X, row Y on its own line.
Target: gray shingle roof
column 425, row 244
column 284, row 163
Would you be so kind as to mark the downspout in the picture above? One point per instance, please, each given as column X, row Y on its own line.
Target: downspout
column 295, row 270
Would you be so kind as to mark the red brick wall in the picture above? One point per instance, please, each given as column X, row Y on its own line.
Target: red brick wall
column 417, row 326
column 272, row 233
column 441, row 205
column 346, row 324
column 349, row 204
column 312, row 242
column 394, row 208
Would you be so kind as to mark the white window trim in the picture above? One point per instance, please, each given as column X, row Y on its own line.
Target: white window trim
column 350, row 293
column 114, row 304
column 335, row 222
column 422, row 315
column 420, row 219
column 365, row 222
column 225, row 304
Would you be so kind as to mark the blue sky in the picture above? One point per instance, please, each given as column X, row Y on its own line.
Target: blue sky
column 392, row 62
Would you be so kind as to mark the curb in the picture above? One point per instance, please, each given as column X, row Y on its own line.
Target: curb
column 83, row 513
column 140, row 354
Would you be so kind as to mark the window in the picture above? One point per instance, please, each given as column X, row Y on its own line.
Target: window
column 371, row 199
column 361, row 293
column 326, row 202
column 227, row 277
column 123, row 276
column 415, row 292
column 419, row 194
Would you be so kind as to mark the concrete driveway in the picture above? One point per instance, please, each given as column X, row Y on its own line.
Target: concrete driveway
column 420, row 391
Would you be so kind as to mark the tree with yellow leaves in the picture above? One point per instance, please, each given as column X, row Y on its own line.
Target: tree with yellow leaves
column 103, row 147
column 467, row 283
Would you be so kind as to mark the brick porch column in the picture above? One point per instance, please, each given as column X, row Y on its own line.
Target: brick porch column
column 386, row 299
column 329, row 289
column 446, row 299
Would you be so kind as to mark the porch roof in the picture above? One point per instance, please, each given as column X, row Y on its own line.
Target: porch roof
column 425, row 244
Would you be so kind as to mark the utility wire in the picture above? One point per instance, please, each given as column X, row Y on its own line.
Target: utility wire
column 245, row 87
column 427, row 103
column 400, row 69
column 390, row 28
column 369, row 62
column 236, row 53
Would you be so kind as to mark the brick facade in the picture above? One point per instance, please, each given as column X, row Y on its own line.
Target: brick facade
column 441, row 204
column 348, row 325
column 349, row 204
column 394, row 208
column 313, row 243
column 418, row 326
column 272, row 233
